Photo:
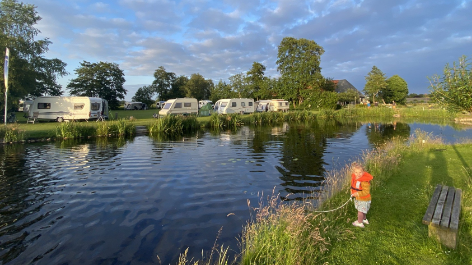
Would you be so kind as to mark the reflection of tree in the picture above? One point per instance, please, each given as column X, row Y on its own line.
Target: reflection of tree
column 302, row 164
column 379, row 133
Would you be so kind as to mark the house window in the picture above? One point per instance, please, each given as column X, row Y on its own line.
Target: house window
column 79, row 106
column 95, row 106
column 187, row 105
column 243, row 104
column 250, row 104
column 44, row 105
column 178, row 105
column 233, row 104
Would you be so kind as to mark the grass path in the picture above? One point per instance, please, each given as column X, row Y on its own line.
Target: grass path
column 396, row 234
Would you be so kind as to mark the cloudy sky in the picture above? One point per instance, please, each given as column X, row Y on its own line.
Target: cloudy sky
column 410, row 38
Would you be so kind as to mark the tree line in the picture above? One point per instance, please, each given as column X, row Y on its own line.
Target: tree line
column 298, row 62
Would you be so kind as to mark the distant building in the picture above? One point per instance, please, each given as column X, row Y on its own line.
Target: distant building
column 343, row 85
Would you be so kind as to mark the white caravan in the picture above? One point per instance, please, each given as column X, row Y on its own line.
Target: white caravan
column 68, row 108
column 24, row 105
column 202, row 103
column 279, row 105
column 235, row 105
column 135, row 106
column 262, row 105
column 180, row 106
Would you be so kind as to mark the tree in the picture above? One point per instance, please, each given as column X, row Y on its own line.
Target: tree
column 396, row 90
column 221, row 90
column 238, row 84
column 177, row 89
column 29, row 72
column 454, row 89
column 144, row 94
column 163, row 82
column 298, row 61
column 197, row 87
column 350, row 95
column 255, row 79
column 375, row 82
column 103, row 79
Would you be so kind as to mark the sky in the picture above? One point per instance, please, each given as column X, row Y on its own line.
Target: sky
column 414, row 39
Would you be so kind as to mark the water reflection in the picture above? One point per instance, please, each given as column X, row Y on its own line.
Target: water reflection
column 122, row 201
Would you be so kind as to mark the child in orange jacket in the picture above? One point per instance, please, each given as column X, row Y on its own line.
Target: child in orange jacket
column 360, row 190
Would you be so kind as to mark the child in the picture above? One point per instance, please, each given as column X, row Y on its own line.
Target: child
column 360, row 190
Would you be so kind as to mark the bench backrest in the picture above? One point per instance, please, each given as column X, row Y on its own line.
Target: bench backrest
column 444, row 208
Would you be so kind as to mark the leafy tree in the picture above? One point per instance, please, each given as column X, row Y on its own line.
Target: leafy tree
column 177, row 89
column 255, row 79
column 103, row 79
column 144, row 94
column 163, row 82
column 396, row 90
column 375, row 82
column 454, row 89
column 197, row 87
column 238, row 83
column 29, row 72
column 221, row 90
column 298, row 61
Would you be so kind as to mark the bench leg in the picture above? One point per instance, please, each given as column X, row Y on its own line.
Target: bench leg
column 447, row 237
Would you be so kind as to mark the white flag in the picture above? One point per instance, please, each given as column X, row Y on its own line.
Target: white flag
column 5, row 69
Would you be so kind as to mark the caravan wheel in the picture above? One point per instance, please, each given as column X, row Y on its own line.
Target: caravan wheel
column 60, row 119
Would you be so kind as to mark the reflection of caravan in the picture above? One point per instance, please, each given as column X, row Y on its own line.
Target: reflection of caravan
column 235, row 105
column 68, row 108
column 135, row 106
column 262, row 105
column 180, row 106
column 278, row 105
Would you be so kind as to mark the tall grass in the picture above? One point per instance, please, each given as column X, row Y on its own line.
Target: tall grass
column 66, row 130
column 11, row 133
column 120, row 127
column 174, row 125
column 304, row 115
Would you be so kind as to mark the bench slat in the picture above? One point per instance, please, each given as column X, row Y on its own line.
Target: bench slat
column 439, row 207
column 432, row 206
column 446, row 217
column 456, row 210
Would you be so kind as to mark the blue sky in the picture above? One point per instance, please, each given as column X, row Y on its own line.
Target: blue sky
column 410, row 38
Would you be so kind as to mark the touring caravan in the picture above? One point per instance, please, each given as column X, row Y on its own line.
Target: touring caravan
column 279, row 105
column 24, row 105
column 202, row 103
column 135, row 106
column 262, row 105
column 180, row 106
column 235, row 105
column 68, row 108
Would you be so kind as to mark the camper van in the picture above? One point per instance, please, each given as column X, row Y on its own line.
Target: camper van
column 135, row 106
column 180, row 106
column 279, row 105
column 235, row 105
column 68, row 108
column 262, row 105
column 202, row 103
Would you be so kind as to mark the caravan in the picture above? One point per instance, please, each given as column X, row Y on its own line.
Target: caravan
column 279, row 105
column 68, row 108
column 202, row 103
column 135, row 106
column 262, row 105
column 180, row 106
column 235, row 105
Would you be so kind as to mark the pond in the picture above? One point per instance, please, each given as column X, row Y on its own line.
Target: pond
column 145, row 200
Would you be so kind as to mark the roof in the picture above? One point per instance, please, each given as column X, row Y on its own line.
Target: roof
column 343, row 85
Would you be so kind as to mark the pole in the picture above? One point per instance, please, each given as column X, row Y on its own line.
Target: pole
column 5, row 75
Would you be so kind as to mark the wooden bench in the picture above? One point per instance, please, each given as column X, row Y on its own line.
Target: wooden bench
column 442, row 215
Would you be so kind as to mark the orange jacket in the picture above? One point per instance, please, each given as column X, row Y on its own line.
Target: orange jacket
column 361, row 186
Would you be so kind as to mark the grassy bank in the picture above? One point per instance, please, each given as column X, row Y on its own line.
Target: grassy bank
column 405, row 177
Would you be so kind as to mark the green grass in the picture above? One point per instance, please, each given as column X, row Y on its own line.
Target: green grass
column 405, row 175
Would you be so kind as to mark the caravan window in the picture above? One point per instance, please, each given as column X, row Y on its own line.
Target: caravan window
column 233, row 104
column 167, row 105
column 250, row 104
column 178, row 105
column 223, row 105
column 44, row 105
column 187, row 105
column 95, row 106
column 79, row 106
column 243, row 104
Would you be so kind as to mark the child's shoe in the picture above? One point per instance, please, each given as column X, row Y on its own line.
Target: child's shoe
column 365, row 221
column 356, row 223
